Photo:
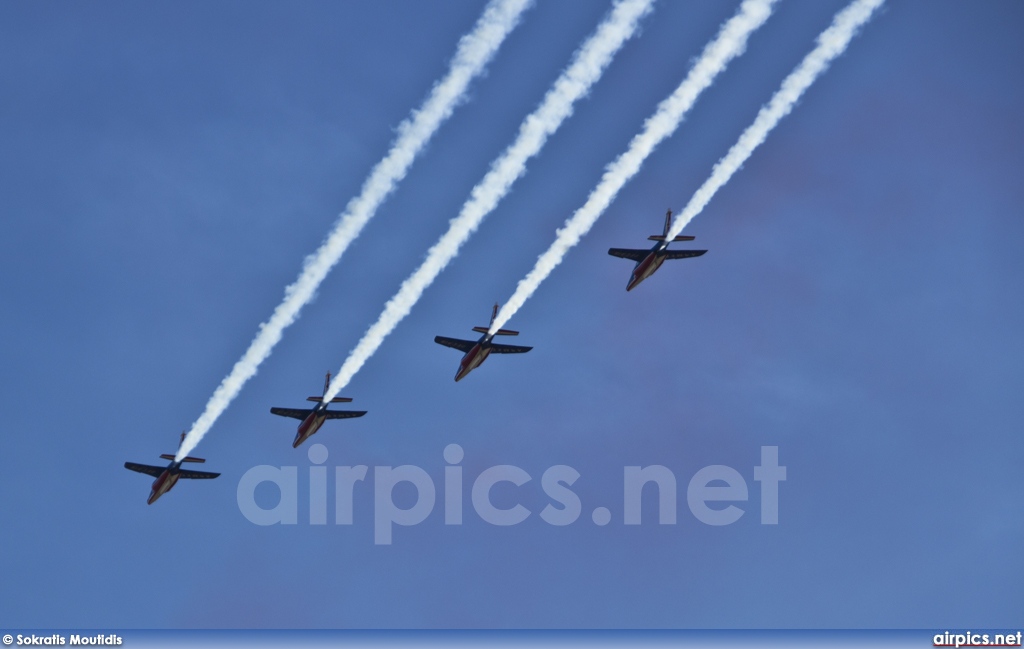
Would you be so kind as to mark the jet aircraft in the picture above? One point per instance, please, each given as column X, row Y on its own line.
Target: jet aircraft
column 167, row 477
column 314, row 418
column 476, row 352
column 648, row 261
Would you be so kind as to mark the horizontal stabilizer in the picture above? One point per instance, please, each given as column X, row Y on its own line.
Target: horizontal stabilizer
column 334, row 400
column 168, row 456
column 659, row 237
column 499, row 332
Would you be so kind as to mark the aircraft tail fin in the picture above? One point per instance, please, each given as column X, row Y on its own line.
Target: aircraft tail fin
column 327, row 386
column 664, row 232
column 499, row 332
column 170, row 457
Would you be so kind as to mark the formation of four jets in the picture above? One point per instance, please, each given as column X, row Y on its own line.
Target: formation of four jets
column 474, row 354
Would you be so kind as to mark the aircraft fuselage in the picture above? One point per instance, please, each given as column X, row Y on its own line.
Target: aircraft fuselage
column 646, row 266
column 474, row 357
column 311, row 424
column 164, row 482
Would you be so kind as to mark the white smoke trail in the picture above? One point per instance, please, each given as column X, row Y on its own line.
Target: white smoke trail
column 587, row 66
column 730, row 42
column 831, row 43
column 474, row 51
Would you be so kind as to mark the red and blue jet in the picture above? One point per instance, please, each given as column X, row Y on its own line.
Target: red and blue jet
column 167, row 477
column 314, row 418
column 648, row 261
column 476, row 352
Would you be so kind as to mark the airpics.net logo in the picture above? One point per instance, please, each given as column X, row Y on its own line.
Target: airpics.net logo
column 712, row 493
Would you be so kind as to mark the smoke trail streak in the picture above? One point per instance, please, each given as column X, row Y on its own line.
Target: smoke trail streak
column 730, row 43
column 587, row 66
column 474, row 51
column 831, row 43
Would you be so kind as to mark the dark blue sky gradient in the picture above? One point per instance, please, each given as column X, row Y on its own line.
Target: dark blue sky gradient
column 165, row 168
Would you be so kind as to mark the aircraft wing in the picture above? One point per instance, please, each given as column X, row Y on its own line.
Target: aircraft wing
column 344, row 414
column 197, row 475
column 628, row 253
column 154, row 471
column 294, row 413
column 461, row 345
column 509, row 349
column 683, row 254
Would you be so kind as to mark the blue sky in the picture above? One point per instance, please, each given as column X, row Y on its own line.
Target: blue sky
column 166, row 167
